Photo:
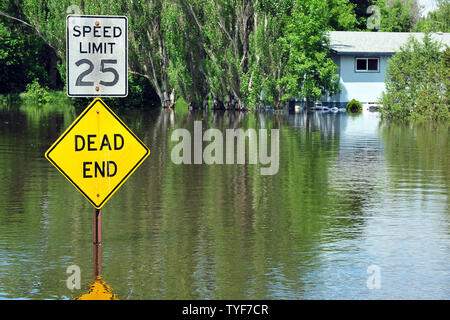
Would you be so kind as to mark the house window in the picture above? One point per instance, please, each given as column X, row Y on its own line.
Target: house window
column 367, row 64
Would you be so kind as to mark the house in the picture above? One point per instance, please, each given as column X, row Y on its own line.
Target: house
column 362, row 58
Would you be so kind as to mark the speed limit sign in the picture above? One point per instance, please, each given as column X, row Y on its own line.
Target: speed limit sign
column 97, row 56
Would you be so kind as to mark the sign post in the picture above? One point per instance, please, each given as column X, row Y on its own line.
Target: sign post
column 98, row 152
column 97, row 226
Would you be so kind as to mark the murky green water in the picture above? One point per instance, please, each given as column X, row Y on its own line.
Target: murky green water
column 349, row 193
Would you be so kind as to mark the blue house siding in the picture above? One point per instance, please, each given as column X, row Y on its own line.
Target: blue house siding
column 362, row 86
column 346, row 46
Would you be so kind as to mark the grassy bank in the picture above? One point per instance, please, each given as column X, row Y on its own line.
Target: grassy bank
column 50, row 100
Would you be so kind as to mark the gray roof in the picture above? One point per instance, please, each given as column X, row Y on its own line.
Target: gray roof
column 348, row 42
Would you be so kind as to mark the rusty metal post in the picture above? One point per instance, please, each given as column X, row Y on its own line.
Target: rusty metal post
column 97, row 261
column 97, row 226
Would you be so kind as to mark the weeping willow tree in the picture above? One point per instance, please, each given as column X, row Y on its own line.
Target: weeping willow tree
column 224, row 29
column 148, row 54
column 147, row 43
column 267, row 59
column 187, row 67
column 226, row 51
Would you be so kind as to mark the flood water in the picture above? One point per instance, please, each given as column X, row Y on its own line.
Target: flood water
column 350, row 193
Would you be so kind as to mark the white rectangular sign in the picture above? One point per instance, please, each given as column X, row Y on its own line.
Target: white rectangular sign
column 97, row 56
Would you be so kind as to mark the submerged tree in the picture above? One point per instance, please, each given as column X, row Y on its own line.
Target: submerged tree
column 417, row 82
column 226, row 51
column 187, row 74
column 310, row 73
column 267, row 58
column 224, row 28
column 147, row 40
column 289, row 50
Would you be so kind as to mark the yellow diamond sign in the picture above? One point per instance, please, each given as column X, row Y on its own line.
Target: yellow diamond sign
column 97, row 153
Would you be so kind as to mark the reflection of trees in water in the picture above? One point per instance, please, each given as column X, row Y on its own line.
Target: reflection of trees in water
column 98, row 289
column 164, row 121
column 199, row 231
column 32, row 130
column 37, row 204
column 417, row 154
column 329, row 124
column 358, row 168
column 219, row 231
column 230, row 230
column 269, row 223
column 186, row 224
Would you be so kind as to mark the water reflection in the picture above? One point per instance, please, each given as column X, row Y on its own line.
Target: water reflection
column 98, row 289
column 349, row 193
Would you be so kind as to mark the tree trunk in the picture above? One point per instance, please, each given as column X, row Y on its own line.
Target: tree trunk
column 308, row 107
column 53, row 70
column 307, row 121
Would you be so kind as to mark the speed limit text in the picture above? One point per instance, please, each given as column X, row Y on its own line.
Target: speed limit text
column 101, row 47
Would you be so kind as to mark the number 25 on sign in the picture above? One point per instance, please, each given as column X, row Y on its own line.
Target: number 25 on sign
column 97, row 153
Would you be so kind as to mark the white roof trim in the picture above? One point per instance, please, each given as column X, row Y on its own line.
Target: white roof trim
column 360, row 42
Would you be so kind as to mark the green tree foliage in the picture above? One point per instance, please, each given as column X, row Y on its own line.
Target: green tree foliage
column 289, row 50
column 341, row 15
column 242, row 49
column 141, row 95
column 398, row 15
column 148, row 52
column 24, row 56
column 309, row 73
column 394, row 15
column 360, row 10
column 48, row 19
column 268, row 57
column 417, row 82
column 438, row 20
column 224, row 29
column 38, row 93
column 185, row 46
column 227, row 50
